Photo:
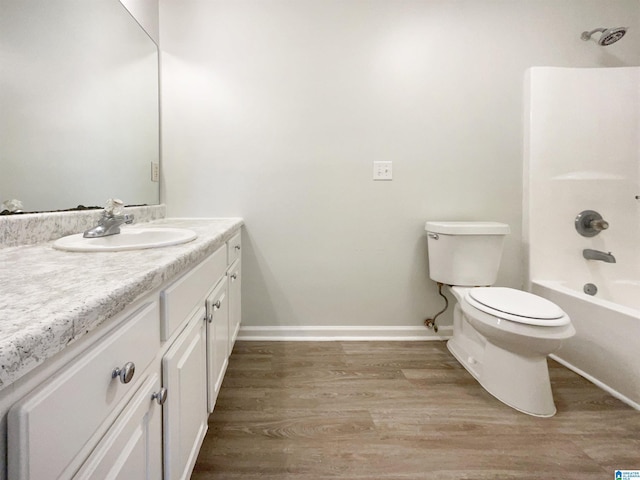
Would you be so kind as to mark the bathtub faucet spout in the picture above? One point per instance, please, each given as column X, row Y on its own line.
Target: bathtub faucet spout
column 590, row 254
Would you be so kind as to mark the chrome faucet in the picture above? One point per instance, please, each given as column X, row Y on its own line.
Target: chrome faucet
column 110, row 221
column 108, row 225
column 590, row 254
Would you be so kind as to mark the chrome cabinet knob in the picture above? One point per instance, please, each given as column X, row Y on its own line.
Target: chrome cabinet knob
column 237, row 247
column 217, row 305
column 209, row 318
column 234, row 276
column 160, row 396
column 125, row 373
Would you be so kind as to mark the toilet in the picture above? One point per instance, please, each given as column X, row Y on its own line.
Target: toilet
column 502, row 336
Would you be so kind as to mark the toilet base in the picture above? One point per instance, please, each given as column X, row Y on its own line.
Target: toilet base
column 520, row 382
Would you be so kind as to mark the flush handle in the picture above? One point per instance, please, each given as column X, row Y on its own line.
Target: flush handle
column 435, row 236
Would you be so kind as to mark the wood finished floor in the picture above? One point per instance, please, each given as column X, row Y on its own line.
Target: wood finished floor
column 401, row 410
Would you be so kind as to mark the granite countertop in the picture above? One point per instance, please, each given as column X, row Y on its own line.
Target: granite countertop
column 50, row 298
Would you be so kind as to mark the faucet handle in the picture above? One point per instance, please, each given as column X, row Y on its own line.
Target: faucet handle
column 589, row 223
column 599, row 224
column 113, row 207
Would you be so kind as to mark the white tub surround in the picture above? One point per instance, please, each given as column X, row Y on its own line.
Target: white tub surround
column 597, row 352
column 581, row 153
column 52, row 298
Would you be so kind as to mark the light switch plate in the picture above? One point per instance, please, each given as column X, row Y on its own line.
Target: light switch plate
column 382, row 170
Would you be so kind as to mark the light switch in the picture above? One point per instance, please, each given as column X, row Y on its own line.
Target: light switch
column 382, row 171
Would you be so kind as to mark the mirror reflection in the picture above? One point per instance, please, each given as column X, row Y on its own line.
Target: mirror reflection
column 79, row 119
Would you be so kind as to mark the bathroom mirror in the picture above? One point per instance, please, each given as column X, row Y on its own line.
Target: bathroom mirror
column 79, row 115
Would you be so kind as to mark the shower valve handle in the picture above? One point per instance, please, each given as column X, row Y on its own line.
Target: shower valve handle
column 589, row 223
column 599, row 224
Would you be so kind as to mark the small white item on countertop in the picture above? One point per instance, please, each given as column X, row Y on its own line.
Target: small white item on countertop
column 12, row 205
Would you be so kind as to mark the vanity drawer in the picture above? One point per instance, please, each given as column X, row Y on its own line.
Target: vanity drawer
column 52, row 428
column 132, row 448
column 189, row 292
column 235, row 246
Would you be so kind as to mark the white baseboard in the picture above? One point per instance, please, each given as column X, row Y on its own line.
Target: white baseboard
column 332, row 333
column 603, row 386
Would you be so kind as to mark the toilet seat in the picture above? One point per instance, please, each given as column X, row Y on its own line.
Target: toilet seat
column 516, row 306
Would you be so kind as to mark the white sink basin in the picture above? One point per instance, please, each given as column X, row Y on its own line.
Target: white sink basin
column 128, row 239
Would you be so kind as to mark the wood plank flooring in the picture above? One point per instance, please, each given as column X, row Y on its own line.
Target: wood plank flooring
column 401, row 410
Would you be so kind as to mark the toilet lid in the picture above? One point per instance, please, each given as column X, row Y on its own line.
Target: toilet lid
column 517, row 306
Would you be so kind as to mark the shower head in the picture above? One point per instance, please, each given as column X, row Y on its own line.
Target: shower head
column 609, row 35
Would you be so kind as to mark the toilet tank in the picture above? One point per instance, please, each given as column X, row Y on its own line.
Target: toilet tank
column 465, row 253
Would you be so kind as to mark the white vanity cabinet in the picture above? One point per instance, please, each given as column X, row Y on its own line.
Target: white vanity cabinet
column 223, row 321
column 52, row 430
column 133, row 447
column 234, row 273
column 235, row 310
column 184, row 365
column 217, row 339
column 196, row 363
column 185, row 411
column 180, row 298
column 234, row 248
column 131, row 400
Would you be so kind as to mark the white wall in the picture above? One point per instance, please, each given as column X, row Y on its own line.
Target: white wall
column 275, row 110
column 146, row 14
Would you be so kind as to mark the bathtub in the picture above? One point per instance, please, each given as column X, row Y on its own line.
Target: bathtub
column 606, row 347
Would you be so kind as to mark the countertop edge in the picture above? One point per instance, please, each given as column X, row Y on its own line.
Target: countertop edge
column 31, row 345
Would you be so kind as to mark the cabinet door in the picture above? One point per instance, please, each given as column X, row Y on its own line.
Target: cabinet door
column 132, row 448
column 235, row 312
column 185, row 411
column 217, row 339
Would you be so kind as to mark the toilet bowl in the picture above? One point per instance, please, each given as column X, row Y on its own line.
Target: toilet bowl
column 502, row 336
column 503, row 340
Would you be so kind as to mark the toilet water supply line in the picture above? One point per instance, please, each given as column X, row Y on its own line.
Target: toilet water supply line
column 431, row 322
